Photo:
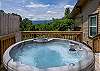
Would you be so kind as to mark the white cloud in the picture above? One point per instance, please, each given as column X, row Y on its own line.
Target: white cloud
column 68, row 6
column 45, row 16
column 41, row 11
column 19, row 9
column 30, row 15
column 51, row 12
column 38, row 5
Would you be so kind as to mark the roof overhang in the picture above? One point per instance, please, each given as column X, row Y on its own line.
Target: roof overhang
column 78, row 7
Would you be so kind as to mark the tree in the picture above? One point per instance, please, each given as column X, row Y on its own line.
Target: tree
column 67, row 13
column 62, row 24
column 26, row 25
column 1, row 11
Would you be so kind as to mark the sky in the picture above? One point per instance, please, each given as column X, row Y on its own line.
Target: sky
column 37, row 9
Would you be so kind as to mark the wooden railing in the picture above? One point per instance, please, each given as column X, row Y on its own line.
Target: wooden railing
column 96, row 43
column 5, row 42
column 72, row 35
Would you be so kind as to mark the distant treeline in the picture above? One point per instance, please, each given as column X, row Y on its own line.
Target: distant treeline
column 62, row 24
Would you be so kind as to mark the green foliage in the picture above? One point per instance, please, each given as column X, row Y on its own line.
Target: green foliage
column 55, row 25
column 67, row 13
column 26, row 25
column 1, row 11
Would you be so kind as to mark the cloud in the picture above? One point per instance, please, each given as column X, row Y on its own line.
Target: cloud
column 30, row 15
column 38, row 5
column 68, row 6
column 45, row 16
column 19, row 9
column 37, row 9
column 51, row 12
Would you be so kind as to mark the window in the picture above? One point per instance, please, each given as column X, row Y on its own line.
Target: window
column 92, row 25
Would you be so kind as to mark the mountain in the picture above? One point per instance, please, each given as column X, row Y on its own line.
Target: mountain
column 41, row 21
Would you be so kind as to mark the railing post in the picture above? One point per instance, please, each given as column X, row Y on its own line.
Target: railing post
column 93, row 47
column 96, row 43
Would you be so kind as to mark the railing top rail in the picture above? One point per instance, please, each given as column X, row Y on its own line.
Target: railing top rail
column 6, row 36
column 51, row 31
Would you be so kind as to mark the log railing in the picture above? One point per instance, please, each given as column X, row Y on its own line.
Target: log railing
column 72, row 35
column 5, row 42
column 96, row 43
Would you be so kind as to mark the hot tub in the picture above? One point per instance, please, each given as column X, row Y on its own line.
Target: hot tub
column 48, row 55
